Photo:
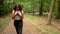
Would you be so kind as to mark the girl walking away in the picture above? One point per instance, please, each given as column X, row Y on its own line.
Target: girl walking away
column 18, row 18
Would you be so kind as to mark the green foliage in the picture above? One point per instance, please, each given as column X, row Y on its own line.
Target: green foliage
column 47, row 4
column 6, row 7
column 28, row 5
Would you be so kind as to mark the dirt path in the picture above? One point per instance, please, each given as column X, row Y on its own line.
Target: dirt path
column 27, row 28
column 35, row 27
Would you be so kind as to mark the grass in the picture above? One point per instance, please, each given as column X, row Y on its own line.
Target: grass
column 44, row 29
column 4, row 21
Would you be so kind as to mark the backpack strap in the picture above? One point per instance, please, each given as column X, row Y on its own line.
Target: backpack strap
column 21, row 11
column 14, row 11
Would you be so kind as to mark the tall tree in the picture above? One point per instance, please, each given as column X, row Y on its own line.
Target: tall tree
column 58, row 13
column 1, row 6
column 32, row 6
column 40, row 8
column 51, row 11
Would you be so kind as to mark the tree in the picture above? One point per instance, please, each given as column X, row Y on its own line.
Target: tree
column 32, row 6
column 58, row 13
column 40, row 8
column 51, row 11
column 1, row 6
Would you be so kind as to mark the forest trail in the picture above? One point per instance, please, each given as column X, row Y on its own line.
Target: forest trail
column 31, row 25
column 27, row 28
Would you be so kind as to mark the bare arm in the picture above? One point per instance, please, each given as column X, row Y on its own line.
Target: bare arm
column 13, row 16
column 21, row 16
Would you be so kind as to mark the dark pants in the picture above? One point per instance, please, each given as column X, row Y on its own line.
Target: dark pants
column 18, row 25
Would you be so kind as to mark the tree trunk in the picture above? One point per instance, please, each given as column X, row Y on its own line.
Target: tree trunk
column 40, row 8
column 33, row 11
column 32, row 6
column 1, row 6
column 51, row 11
column 1, row 1
column 58, row 13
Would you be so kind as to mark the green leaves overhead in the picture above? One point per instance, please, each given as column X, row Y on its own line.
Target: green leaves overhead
column 28, row 5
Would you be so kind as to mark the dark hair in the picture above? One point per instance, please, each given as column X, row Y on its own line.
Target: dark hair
column 20, row 8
